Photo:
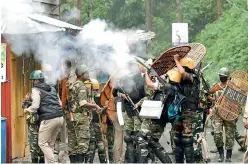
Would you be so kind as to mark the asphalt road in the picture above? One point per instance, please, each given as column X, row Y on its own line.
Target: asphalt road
column 237, row 156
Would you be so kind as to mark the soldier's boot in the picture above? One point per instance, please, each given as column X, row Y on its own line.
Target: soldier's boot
column 188, row 148
column 90, row 157
column 179, row 151
column 221, row 153
column 34, row 160
column 130, row 150
column 228, row 156
column 73, row 158
column 42, row 159
column 160, row 151
column 81, row 158
column 142, row 149
column 101, row 156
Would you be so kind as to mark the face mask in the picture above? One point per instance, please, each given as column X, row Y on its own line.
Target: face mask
column 223, row 79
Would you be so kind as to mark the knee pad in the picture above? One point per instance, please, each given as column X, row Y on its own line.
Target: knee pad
column 128, row 138
column 187, row 141
column 177, row 140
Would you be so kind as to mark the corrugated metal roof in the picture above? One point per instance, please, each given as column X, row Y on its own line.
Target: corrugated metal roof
column 30, row 24
column 52, row 21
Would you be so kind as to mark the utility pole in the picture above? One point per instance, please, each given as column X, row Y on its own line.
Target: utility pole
column 179, row 11
column 79, row 6
column 219, row 6
column 148, row 10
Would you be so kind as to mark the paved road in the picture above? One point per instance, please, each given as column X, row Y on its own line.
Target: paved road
column 236, row 158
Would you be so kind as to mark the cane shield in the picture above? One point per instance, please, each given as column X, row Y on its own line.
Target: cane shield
column 197, row 52
column 165, row 61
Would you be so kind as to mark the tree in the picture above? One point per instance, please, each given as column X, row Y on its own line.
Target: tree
column 179, row 11
column 148, row 10
column 219, row 7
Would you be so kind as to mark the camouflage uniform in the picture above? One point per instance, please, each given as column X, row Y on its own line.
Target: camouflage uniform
column 230, row 127
column 97, row 143
column 78, row 134
column 33, row 130
column 218, row 132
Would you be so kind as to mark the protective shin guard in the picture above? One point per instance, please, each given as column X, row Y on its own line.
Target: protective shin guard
column 73, row 158
column 142, row 149
column 81, row 158
column 34, row 160
column 42, row 160
column 130, row 150
column 179, row 151
column 188, row 149
column 160, row 152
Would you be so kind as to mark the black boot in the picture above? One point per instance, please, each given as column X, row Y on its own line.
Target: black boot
column 42, row 160
column 221, row 152
column 160, row 151
column 34, row 160
column 188, row 148
column 73, row 158
column 228, row 156
column 130, row 150
column 81, row 158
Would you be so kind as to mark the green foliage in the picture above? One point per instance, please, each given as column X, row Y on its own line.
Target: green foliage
column 226, row 42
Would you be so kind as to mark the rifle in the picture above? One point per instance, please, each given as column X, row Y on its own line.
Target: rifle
column 132, row 104
column 71, row 117
column 160, row 79
column 104, row 140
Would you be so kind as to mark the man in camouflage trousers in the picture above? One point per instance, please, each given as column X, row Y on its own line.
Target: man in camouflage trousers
column 81, row 111
column 132, row 123
column 95, row 129
column 33, row 124
column 219, row 123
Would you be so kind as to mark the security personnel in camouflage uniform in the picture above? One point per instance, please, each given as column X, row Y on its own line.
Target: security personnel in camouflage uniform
column 33, row 124
column 132, row 124
column 95, row 130
column 219, row 123
column 81, row 111
column 190, row 86
column 151, row 129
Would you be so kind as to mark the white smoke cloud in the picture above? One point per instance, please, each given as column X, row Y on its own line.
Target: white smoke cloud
column 101, row 47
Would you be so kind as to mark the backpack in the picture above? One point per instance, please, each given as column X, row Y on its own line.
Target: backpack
column 175, row 108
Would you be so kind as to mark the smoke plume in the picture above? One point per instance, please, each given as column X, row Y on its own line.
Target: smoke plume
column 100, row 46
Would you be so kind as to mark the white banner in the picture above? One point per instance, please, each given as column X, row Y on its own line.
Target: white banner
column 3, row 63
column 179, row 34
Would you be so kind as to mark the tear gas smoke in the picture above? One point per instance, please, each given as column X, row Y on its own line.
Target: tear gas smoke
column 99, row 46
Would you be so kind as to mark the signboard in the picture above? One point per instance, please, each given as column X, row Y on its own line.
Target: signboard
column 179, row 34
column 3, row 63
column 231, row 102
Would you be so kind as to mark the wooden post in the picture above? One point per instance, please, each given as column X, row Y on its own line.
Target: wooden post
column 219, row 7
column 179, row 11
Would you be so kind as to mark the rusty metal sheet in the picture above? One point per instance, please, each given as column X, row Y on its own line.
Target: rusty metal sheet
column 197, row 52
column 231, row 102
column 166, row 61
